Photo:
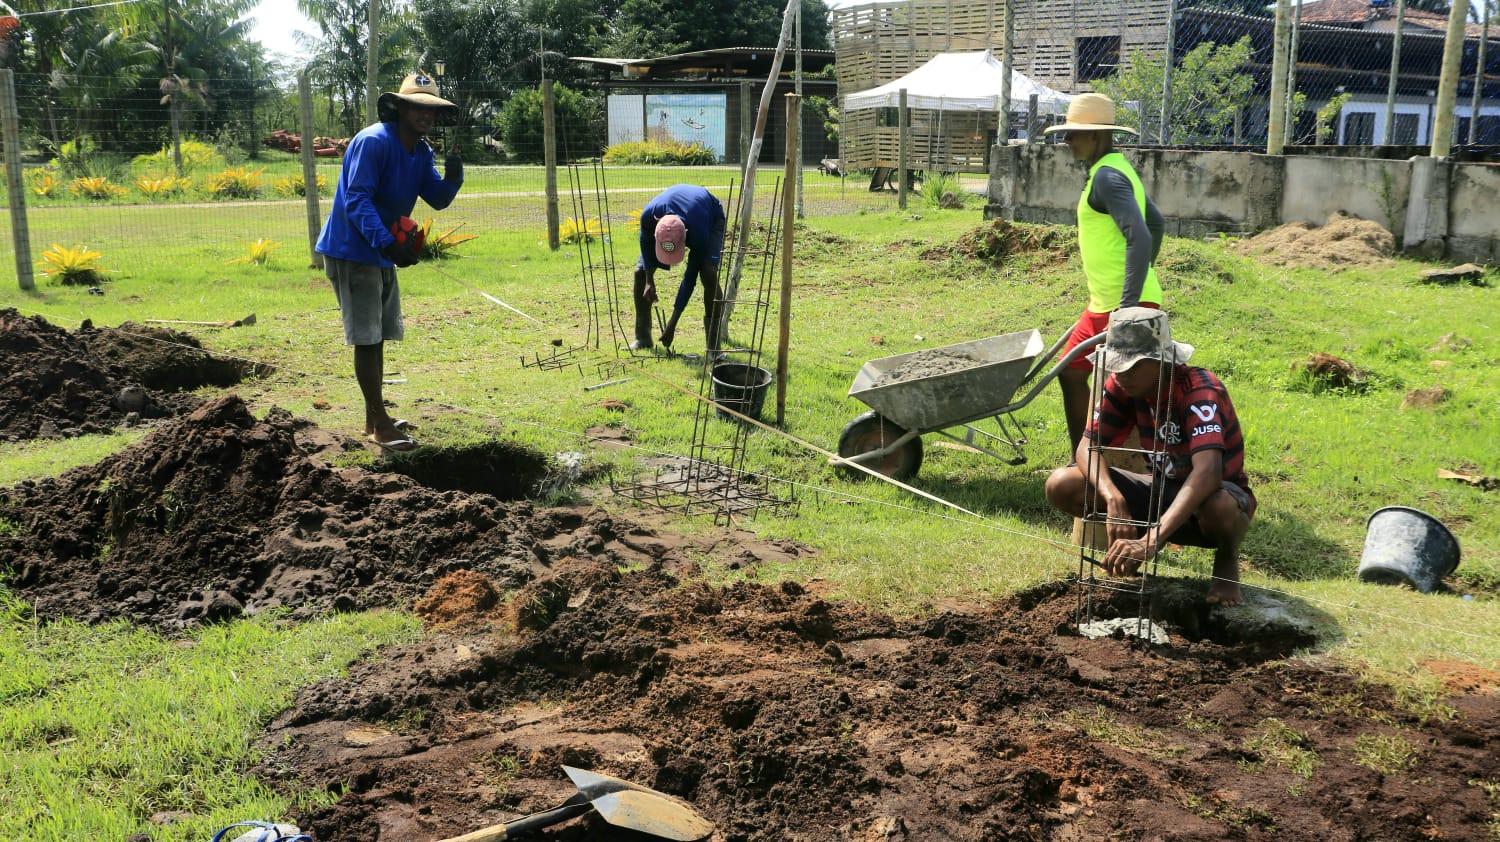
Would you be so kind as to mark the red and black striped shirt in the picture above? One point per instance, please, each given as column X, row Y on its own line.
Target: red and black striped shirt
column 1198, row 415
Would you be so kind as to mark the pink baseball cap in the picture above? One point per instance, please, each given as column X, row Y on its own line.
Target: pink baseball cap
column 671, row 240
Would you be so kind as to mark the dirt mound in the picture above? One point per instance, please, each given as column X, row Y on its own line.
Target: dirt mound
column 1002, row 239
column 218, row 514
column 1341, row 242
column 57, row 383
column 783, row 716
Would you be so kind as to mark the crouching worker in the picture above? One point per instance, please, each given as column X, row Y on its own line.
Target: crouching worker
column 1199, row 474
column 685, row 224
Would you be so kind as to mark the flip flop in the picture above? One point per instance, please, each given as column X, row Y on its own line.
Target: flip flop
column 401, row 445
column 404, row 425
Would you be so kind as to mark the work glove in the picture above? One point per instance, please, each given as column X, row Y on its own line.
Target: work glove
column 401, row 254
column 453, row 166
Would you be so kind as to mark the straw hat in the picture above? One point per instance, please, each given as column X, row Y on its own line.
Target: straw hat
column 1139, row 333
column 417, row 89
column 1090, row 113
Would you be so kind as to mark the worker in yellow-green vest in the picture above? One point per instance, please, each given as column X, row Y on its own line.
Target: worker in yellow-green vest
column 1119, row 235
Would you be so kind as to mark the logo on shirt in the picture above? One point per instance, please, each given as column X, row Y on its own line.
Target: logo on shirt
column 1205, row 411
column 1169, row 432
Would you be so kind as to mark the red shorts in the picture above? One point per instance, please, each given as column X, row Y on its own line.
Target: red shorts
column 1089, row 325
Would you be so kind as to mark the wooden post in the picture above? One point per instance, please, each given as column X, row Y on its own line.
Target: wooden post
column 903, row 120
column 746, row 126
column 1164, row 129
column 20, row 232
column 1478, row 94
column 309, row 167
column 1453, row 50
column 549, row 158
column 788, row 222
column 372, row 66
column 1276, row 119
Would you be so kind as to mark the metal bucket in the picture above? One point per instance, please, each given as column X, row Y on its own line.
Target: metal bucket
column 1406, row 546
column 740, row 387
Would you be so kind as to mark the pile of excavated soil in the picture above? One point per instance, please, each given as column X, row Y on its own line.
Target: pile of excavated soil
column 218, row 514
column 56, row 383
column 1002, row 239
column 1341, row 242
column 781, row 715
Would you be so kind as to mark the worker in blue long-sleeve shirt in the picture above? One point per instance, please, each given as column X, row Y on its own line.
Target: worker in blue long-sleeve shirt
column 386, row 168
column 684, row 224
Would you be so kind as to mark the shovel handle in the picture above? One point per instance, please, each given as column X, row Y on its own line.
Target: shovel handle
column 525, row 824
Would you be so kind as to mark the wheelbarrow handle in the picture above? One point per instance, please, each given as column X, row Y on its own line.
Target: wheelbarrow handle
column 1079, row 350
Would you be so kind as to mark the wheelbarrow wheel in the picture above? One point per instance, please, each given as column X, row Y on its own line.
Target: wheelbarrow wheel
column 870, row 432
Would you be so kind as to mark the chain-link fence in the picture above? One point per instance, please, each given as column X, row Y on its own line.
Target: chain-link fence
column 1356, row 76
column 105, row 173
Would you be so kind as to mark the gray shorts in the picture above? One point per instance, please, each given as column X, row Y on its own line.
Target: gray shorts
column 370, row 299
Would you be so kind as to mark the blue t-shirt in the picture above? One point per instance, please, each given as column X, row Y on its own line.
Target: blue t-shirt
column 702, row 215
column 379, row 184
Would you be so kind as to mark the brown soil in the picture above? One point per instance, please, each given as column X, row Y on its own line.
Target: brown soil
column 1342, row 241
column 571, row 636
column 56, row 383
column 1333, row 371
column 1002, row 239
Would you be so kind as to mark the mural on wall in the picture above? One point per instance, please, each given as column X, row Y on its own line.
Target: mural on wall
column 686, row 118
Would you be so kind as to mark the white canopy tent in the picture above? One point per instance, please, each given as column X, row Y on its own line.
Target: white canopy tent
column 961, row 82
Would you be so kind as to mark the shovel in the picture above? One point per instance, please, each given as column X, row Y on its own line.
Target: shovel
column 621, row 803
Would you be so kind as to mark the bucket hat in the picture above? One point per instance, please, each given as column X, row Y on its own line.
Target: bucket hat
column 1135, row 334
column 671, row 240
column 1090, row 113
column 417, row 89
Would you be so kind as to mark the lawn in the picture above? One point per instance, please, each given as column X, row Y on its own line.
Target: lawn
column 868, row 284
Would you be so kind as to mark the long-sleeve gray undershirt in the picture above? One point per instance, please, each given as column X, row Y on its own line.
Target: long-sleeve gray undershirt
column 1113, row 194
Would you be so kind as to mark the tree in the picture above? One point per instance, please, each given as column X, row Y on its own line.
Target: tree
column 521, row 123
column 338, row 66
column 644, row 28
column 1208, row 85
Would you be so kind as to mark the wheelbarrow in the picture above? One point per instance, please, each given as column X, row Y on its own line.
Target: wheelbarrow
column 972, row 381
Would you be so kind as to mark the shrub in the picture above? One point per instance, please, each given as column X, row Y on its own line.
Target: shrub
column 659, row 152
column 95, row 187
column 574, row 230
column 196, row 157
column 258, row 252
column 296, row 185
column 521, row 123
column 162, row 188
column 939, row 185
column 44, row 182
column 234, row 183
column 75, row 266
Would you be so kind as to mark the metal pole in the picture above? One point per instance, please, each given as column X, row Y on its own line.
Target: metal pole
column 788, row 214
column 372, row 66
column 549, row 159
column 1453, row 50
column 1007, row 62
column 1484, row 37
column 903, row 120
column 20, row 231
column 1032, row 106
column 309, row 166
column 1163, row 133
column 1276, row 118
column 1390, row 87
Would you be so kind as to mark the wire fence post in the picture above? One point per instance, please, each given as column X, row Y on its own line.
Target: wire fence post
column 372, row 66
column 1032, row 104
column 20, row 232
column 309, row 166
column 1276, row 119
column 1163, row 133
column 903, row 119
column 1007, row 62
column 549, row 159
column 1291, row 76
column 1478, row 94
column 1453, row 50
column 1390, row 88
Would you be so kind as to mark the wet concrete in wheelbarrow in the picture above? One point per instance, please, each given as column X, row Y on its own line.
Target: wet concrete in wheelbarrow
column 576, row 635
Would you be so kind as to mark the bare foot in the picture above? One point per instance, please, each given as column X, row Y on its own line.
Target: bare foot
column 1221, row 592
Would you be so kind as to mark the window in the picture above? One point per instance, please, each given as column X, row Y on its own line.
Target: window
column 1404, row 130
column 1359, row 128
column 1097, row 57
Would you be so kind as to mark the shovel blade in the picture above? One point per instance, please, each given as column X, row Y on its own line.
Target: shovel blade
column 634, row 807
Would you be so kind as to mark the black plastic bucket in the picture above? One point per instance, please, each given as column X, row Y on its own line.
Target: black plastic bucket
column 740, row 387
column 1405, row 546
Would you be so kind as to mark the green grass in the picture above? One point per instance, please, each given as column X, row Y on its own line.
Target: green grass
column 102, row 727
column 870, row 285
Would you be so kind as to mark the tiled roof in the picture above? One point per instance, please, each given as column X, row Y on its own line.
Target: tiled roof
column 1361, row 14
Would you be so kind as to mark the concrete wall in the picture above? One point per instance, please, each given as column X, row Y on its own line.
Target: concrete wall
column 1447, row 209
